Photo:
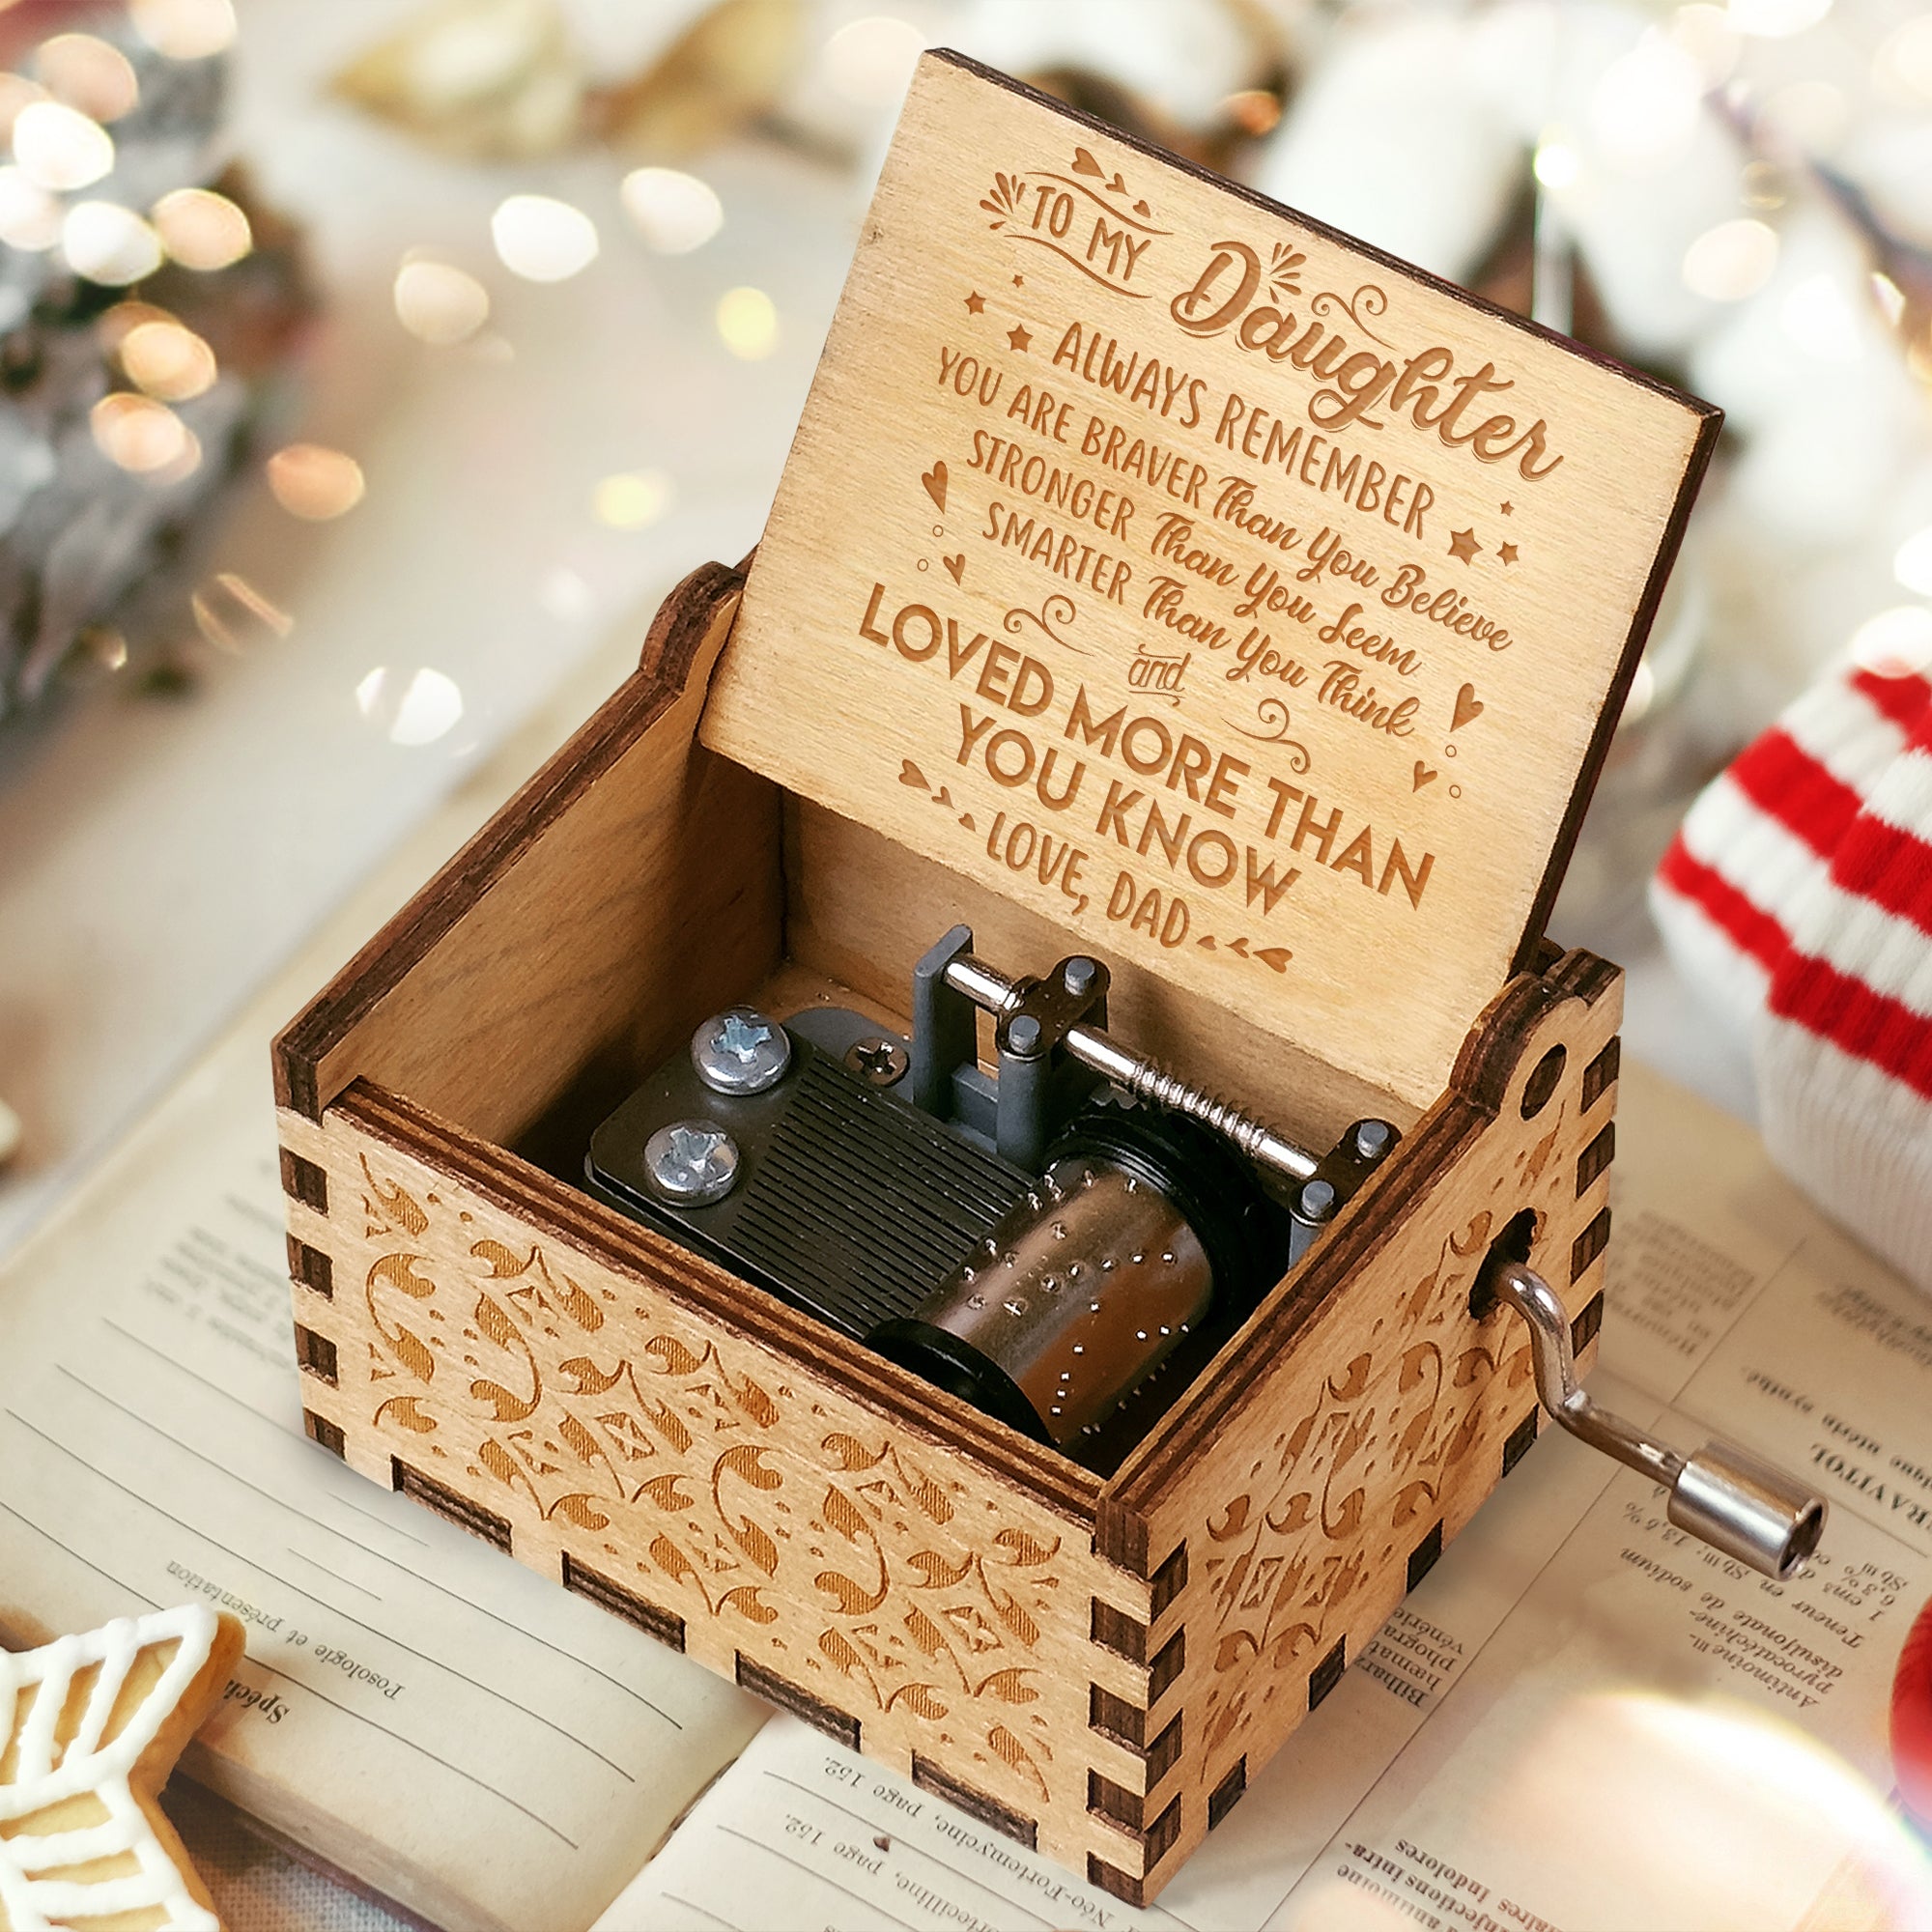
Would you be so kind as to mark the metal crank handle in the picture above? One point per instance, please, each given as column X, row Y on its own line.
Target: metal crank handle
column 1723, row 1495
column 988, row 988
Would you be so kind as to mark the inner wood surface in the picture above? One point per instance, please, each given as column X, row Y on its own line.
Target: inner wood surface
column 860, row 909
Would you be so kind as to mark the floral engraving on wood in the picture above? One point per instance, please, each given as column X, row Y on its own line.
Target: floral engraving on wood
column 1344, row 1491
column 805, row 1535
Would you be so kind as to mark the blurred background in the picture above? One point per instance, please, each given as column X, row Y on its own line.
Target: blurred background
column 369, row 370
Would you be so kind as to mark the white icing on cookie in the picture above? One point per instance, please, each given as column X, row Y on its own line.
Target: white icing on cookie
column 40, row 1904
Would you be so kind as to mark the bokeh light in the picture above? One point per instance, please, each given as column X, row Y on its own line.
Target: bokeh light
column 201, row 229
column 16, row 92
column 30, row 217
column 543, row 240
column 167, row 360
column 60, row 148
column 439, row 304
column 1913, row 564
column 109, row 243
column 1817, row 317
column 232, row 613
column 1773, row 19
column 414, row 711
column 184, row 30
column 314, row 482
column 1556, row 164
column 1644, row 109
column 633, row 500
column 748, row 323
column 1731, row 261
column 871, row 62
column 673, row 212
column 88, row 75
column 1811, row 116
column 1906, row 57
column 137, row 434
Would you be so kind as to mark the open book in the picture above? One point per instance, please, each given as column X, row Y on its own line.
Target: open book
column 1582, row 1720
column 468, row 1740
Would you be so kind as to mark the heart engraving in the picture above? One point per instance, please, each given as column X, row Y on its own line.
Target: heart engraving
column 934, row 480
column 955, row 566
column 1423, row 775
column 1469, row 707
column 911, row 775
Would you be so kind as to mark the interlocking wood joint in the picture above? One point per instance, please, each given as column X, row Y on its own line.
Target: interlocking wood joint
column 317, row 1356
column 305, row 1181
column 780, row 1690
column 1601, row 1075
column 1521, row 1440
column 309, row 1267
column 1589, row 1244
column 1114, row 1630
column 1423, row 1559
column 1326, row 1674
column 1227, row 1793
column 975, row 1804
column 666, row 1626
column 1588, row 1321
column 451, row 1505
column 1595, row 1159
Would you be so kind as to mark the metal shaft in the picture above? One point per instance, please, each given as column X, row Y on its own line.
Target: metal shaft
column 1723, row 1495
column 988, row 988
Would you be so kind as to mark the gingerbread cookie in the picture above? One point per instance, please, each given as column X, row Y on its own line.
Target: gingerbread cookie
column 89, row 1727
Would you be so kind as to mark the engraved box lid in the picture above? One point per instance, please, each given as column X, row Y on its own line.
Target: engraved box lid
column 1254, row 605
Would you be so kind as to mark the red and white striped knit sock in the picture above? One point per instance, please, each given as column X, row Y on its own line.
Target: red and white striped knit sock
column 1798, row 896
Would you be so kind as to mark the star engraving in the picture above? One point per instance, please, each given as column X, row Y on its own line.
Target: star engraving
column 1463, row 547
column 742, row 1038
column 975, row 302
column 1507, row 552
column 1018, row 337
column 1509, row 509
column 1019, row 281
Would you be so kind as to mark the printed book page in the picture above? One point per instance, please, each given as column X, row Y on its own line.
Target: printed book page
column 483, row 1747
column 459, row 1734
column 1582, row 1721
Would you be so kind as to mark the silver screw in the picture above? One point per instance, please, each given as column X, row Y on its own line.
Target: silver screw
column 691, row 1163
column 740, row 1051
column 877, row 1061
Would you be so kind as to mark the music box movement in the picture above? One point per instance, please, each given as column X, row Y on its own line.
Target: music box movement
column 775, row 1180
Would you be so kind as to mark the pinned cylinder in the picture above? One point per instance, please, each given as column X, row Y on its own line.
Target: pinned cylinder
column 1141, row 1225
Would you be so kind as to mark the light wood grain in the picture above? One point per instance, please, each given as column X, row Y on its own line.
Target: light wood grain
column 863, row 909
column 1304, row 1474
column 722, row 1478
column 1034, row 301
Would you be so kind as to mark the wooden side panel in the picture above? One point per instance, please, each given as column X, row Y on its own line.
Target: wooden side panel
column 1298, row 1504
column 563, row 929
column 725, row 1484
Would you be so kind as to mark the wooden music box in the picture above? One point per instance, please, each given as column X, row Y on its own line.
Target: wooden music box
column 1163, row 586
